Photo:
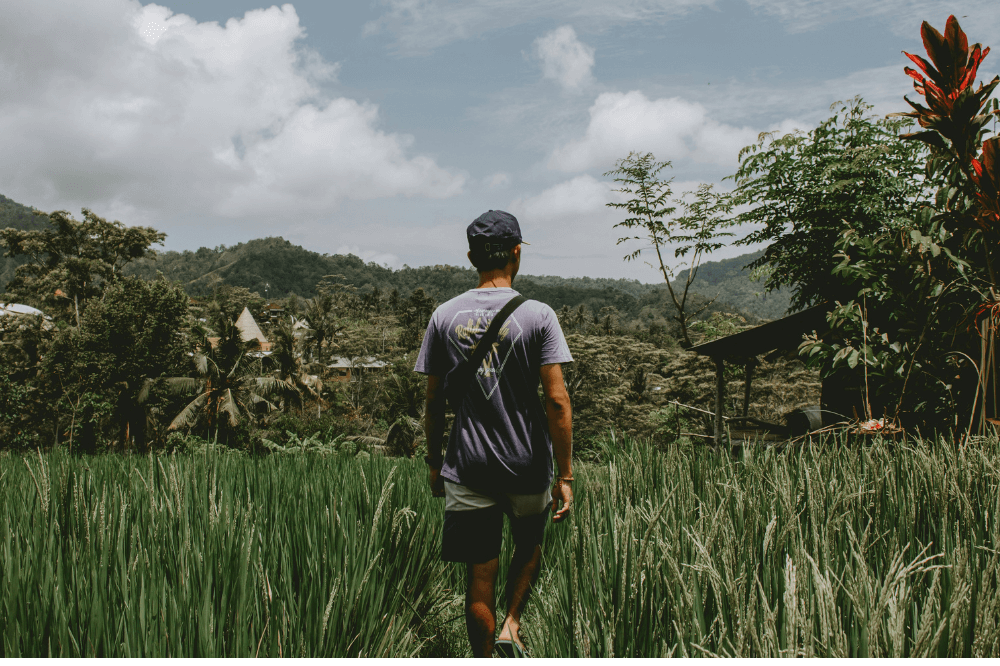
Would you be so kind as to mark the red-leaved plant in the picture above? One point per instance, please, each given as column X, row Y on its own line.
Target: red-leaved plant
column 986, row 175
column 955, row 113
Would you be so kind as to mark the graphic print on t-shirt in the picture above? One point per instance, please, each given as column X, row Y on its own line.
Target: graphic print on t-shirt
column 467, row 327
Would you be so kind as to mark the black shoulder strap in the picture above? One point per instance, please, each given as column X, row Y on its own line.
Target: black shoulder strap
column 484, row 344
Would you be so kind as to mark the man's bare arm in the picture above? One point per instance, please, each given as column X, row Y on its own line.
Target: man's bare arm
column 434, row 424
column 560, row 414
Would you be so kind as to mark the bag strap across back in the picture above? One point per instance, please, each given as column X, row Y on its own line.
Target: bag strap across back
column 486, row 342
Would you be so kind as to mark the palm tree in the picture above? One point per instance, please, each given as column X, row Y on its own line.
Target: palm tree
column 288, row 366
column 319, row 312
column 229, row 388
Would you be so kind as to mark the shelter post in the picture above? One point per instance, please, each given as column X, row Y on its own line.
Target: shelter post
column 720, row 389
column 747, row 381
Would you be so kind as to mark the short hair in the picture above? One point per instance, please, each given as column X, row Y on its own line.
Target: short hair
column 491, row 260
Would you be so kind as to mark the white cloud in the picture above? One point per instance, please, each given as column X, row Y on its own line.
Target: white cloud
column 419, row 26
column 572, row 231
column 565, row 58
column 499, row 179
column 116, row 106
column 903, row 16
column 670, row 128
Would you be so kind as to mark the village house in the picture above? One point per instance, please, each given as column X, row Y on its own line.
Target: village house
column 346, row 370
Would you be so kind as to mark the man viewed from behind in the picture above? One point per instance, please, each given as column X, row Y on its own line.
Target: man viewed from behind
column 503, row 440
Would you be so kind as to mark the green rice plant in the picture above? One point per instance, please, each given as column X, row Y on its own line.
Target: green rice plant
column 216, row 555
column 820, row 550
column 828, row 548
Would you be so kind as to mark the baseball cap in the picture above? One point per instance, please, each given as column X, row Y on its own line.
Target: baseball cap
column 494, row 230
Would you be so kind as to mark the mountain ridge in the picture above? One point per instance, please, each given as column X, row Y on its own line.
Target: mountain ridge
column 276, row 268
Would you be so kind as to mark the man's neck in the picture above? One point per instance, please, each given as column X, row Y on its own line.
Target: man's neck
column 495, row 279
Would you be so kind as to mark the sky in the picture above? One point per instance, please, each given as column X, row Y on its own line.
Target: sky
column 384, row 128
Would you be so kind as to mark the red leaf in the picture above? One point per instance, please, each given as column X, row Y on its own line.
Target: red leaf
column 970, row 73
column 940, row 54
column 955, row 37
column 922, row 64
column 913, row 74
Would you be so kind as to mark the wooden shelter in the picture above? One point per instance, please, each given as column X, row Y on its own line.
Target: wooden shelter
column 744, row 347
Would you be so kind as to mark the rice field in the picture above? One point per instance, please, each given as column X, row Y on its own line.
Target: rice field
column 816, row 550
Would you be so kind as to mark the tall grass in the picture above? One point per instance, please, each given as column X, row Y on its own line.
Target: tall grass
column 215, row 556
column 818, row 550
column 823, row 550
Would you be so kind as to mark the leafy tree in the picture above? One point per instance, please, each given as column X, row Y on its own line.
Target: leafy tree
column 804, row 190
column 323, row 325
column 130, row 336
column 416, row 313
column 287, row 359
column 895, row 347
column 230, row 387
column 907, row 331
column 73, row 261
column 231, row 300
column 694, row 234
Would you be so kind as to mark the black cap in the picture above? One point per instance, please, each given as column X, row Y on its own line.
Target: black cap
column 494, row 230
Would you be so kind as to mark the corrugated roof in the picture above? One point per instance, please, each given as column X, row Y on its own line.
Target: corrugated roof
column 248, row 328
column 370, row 362
column 783, row 333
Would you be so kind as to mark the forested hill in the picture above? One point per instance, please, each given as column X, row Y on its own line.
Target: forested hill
column 275, row 268
column 729, row 281
column 13, row 214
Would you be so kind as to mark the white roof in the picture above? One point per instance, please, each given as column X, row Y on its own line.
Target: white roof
column 248, row 328
column 19, row 309
column 370, row 362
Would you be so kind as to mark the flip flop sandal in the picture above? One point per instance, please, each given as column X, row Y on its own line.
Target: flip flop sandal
column 506, row 648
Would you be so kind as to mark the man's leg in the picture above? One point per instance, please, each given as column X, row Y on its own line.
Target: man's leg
column 480, row 606
column 522, row 576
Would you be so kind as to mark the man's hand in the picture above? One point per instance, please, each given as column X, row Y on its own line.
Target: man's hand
column 562, row 491
column 436, row 481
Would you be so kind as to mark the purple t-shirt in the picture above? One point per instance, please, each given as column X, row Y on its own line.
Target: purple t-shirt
column 499, row 441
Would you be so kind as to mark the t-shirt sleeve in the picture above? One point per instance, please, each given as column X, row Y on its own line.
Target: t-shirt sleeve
column 554, row 347
column 433, row 358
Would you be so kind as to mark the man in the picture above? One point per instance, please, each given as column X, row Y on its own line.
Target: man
column 500, row 450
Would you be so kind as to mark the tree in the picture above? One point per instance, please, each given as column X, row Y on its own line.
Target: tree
column 693, row 235
column 73, row 261
column 130, row 336
column 287, row 360
column 232, row 300
column 416, row 313
column 231, row 389
column 921, row 277
column 804, row 190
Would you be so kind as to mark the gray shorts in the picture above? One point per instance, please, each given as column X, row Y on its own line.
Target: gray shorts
column 463, row 498
column 473, row 522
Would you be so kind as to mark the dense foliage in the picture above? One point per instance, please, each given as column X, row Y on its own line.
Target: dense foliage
column 804, row 190
column 913, row 277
